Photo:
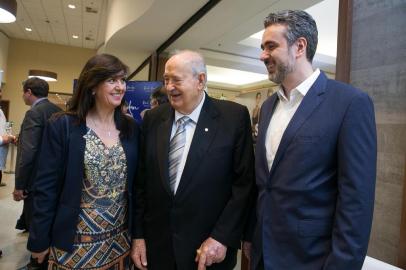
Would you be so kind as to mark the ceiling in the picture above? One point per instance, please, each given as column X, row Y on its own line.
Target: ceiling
column 52, row 21
column 224, row 35
column 227, row 35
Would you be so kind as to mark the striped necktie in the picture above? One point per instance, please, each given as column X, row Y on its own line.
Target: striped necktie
column 176, row 147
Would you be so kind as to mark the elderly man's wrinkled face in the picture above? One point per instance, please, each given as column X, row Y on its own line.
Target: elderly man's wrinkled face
column 185, row 89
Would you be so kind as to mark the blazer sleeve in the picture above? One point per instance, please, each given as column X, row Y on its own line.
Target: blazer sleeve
column 30, row 140
column 356, row 160
column 231, row 224
column 47, row 185
column 139, row 186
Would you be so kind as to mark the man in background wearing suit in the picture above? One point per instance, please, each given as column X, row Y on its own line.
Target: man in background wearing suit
column 315, row 158
column 196, row 175
column 35, row 93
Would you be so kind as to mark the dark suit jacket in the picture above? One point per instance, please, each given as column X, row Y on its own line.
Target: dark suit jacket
column 214, row 189
column 315, row 205
column 58, row 184
column 29, row 142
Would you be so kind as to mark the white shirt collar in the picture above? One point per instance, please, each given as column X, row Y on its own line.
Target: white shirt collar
column 38, row 100
column 193, row 115
column 303, row 87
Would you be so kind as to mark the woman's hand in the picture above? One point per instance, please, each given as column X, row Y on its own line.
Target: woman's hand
column 40, row 256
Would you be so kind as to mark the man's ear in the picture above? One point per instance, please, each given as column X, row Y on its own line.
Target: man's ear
column 202, row 80
column 301, row 45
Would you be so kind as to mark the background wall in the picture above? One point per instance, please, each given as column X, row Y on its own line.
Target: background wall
column 4, row 42
column 378, row 66
column 23, row 55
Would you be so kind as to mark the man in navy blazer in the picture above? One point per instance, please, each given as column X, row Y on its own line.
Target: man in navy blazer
column 315, row 158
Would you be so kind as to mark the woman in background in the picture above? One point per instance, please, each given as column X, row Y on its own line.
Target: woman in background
column 83, row 189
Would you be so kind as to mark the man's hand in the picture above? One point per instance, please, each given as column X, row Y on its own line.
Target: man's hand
column 18, row 195
column 211, row 251
column 8, row 139
column 40, row 256
column 139, row 253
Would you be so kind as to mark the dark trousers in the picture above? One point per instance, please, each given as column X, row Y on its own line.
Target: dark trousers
column 23, row 223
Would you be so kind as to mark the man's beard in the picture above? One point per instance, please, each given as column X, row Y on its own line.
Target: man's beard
column 282, row 70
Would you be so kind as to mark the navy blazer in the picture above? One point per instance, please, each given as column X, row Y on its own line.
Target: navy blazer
column 58, row 184
column 315, row 205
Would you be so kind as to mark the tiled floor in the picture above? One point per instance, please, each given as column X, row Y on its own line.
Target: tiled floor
column 12, row 241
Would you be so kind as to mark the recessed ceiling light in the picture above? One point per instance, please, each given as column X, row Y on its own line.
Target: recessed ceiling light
column 28, row 29
column 75, row 36
column 71, row 6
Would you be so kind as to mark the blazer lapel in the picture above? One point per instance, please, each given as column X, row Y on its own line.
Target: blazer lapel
column 76, row 150
column 264, row 119
column 129, row 153
column 163, row 137
column 309, row 103
column 76, row 139
column 205, row 132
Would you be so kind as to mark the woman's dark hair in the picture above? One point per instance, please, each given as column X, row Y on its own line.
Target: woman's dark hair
column 98, row 69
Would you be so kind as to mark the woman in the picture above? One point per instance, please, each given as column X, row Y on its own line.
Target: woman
column 83, row 189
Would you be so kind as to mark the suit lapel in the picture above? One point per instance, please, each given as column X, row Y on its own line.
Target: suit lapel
column 205, row 131
column 163, row 137
column 309, row 103
column 128, row 150
column 264, row 119
column 76, row 150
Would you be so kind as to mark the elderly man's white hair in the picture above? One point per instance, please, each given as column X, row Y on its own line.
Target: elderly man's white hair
column 195, row 60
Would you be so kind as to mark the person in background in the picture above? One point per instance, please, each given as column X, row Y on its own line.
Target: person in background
column 255, row 116
column 84, row 185
column 315, row 162
column 158, row 97
column 5, row 139
column 35, row 93
column 196, row 175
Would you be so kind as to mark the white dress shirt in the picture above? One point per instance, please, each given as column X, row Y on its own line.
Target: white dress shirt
column 283, row 113
column 190, row 131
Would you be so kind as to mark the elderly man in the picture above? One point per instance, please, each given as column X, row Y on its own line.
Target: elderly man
column 315, row 158
column 196, row 175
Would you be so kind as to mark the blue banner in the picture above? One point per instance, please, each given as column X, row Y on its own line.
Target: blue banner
column 138, row 95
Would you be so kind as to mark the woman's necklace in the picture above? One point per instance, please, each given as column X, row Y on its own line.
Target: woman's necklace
column 104, row 130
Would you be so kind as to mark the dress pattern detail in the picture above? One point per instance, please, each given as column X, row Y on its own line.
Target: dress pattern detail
column 102, row 240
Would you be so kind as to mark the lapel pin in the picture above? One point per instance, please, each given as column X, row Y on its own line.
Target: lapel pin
column 206, row 129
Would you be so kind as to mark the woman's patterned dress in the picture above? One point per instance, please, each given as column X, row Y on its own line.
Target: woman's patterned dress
column 102, row 241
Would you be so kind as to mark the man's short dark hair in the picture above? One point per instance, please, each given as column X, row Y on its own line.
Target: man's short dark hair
column 38, row 87
column 298, row 24
column 160, row 95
